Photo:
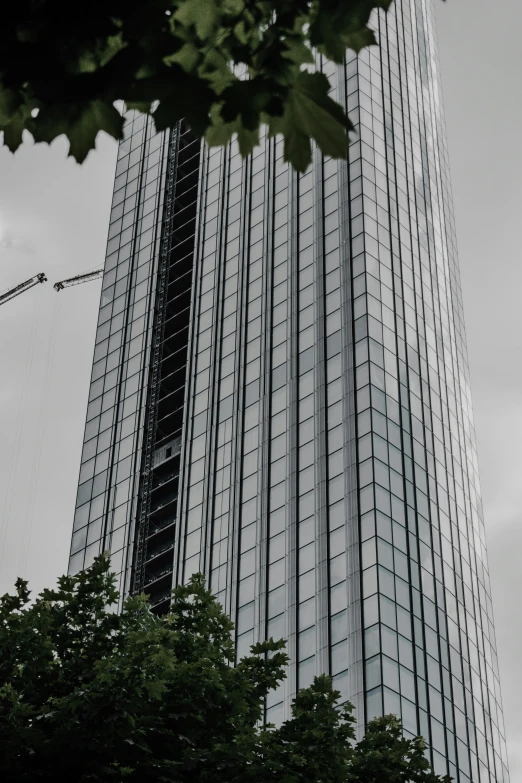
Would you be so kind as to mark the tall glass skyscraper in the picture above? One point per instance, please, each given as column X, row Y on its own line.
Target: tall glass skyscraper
column 280, row 398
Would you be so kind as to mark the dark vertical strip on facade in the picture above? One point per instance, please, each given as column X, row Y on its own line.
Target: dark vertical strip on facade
column 167, row 379
column 144, row 498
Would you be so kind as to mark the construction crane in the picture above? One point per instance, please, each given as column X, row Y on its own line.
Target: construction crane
column 19, row 289
column 86, row 278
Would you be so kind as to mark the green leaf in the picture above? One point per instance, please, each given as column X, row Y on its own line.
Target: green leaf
column 233, row 7
column 144, row 54
column 311, row 114
column 317, row 86
column 142, row 106
column 15, row 114
column 202, row 14
column 219, row 133
column 247, row 140
column 14, row 128
column 10, row 102
column 359, row 39
column 185, row 97
column 80, row 124
column 336, row 26
column 297, row 148
column 187, row 57
column 297, row 51
column 105, row 697
column 91, row 60
column 241, row 32
column 13, row 131
column 216, row 71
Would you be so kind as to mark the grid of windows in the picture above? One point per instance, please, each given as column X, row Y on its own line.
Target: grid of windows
column 111, row 457
column 429, row 647
column 328, row 479
column 331, row 318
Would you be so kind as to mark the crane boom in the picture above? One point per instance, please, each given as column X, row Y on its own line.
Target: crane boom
column 78, row 279
column 19, row 289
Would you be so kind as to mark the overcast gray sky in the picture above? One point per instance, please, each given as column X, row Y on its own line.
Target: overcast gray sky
column 54, row 216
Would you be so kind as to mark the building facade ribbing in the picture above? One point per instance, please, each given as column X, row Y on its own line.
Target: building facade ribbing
column 280, row 398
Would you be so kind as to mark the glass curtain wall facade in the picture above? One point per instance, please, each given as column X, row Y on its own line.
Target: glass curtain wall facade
column 281, row 399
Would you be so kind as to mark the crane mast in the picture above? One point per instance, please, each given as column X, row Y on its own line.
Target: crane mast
column 25, row 286
column 78, row 279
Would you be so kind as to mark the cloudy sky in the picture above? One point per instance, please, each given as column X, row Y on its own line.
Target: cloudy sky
column 54, row 216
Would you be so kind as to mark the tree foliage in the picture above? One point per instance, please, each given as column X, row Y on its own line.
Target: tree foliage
column 90, row 695
column 226, row 66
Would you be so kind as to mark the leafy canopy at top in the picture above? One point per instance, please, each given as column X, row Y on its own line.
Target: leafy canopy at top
column 226, row 66
column 90, row 695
